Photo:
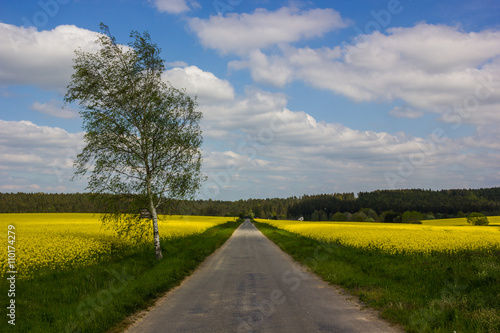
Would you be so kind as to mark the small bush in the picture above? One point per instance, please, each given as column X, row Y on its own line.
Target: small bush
column 477, row 219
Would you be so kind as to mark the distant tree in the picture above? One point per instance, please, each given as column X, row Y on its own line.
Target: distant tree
column 411, row 217
column 477, row 219
column 142, row 135
column 322, row 215
column 338, row 216
column 359, row 217
column 461, row 214
column 388, row 216
column 429, row 216
column 369, row 213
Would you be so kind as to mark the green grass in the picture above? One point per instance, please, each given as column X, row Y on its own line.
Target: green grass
column 438, row 293
column 100, row 297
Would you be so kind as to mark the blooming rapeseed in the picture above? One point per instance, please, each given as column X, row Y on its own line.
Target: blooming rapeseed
column 64, row 241
column 398, row 238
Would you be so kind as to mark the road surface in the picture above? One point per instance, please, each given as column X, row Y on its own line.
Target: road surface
column 250, row 285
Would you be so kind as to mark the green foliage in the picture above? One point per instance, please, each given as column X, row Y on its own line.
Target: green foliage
column 142, row 135
column 477, row 219
column 389, row 217
column 338, row 216
column 359, row 217
column 411, row 217
column 370, row 213
column 430, row 216
column 319, row 215
column 388, row 204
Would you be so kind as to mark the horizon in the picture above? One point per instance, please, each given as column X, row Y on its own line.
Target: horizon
column 298, row 97
column 356, row 194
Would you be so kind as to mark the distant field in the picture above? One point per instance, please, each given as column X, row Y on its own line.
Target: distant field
column 494, row 220
column 452, row 235
column 63, row 241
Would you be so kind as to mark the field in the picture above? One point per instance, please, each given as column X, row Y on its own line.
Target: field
column 441, row 276
column 451, row 235
column 494, row 221
column 48, row 242
column 74, row 276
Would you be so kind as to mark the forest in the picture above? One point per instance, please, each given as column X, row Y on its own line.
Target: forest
column 380, row 205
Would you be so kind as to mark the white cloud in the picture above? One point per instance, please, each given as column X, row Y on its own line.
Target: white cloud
column 25, row 134
column 208, row 87
column 55, row 108
column 39, row 156
column 178, row 63
column 270, row 70
column 427, row 66
column 42, row 58
column 171, row 6
column 268, row 148
column 240, row 33
column 405, row 112
column 431, row 68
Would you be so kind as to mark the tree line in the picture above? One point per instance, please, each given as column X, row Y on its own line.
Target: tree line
column 380, row 205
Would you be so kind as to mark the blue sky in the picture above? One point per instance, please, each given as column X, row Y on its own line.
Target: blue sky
column 298, row 97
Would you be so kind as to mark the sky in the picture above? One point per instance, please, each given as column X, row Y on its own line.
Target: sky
column 298, row 97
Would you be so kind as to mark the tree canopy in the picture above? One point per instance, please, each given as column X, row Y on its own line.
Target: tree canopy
column 477, row 219
column 142, row 135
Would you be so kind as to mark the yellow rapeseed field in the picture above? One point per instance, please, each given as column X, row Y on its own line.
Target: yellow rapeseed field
column 399, row 238
column 62, row 241
column 493, row 221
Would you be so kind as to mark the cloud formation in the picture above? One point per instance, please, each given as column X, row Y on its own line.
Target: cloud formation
column 405, row 112
column 171, row 6
column 241, row 33
column 37, row 157
column 256, row 143
column 55, row 108
column 41, row 58
column 431, row 68
column 205, row 85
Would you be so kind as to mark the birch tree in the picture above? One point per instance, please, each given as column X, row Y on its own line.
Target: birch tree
column 142, row 140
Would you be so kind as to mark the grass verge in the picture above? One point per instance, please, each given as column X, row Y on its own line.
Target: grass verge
column 98, row 298
column 439, row 293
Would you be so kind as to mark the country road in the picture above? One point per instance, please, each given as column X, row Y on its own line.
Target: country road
column 250, row 285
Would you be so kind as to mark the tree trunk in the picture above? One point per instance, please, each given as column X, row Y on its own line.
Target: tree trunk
column 156, row 234
column 154, row 217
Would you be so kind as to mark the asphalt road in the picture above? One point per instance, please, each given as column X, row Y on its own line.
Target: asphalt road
column 250, row 285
